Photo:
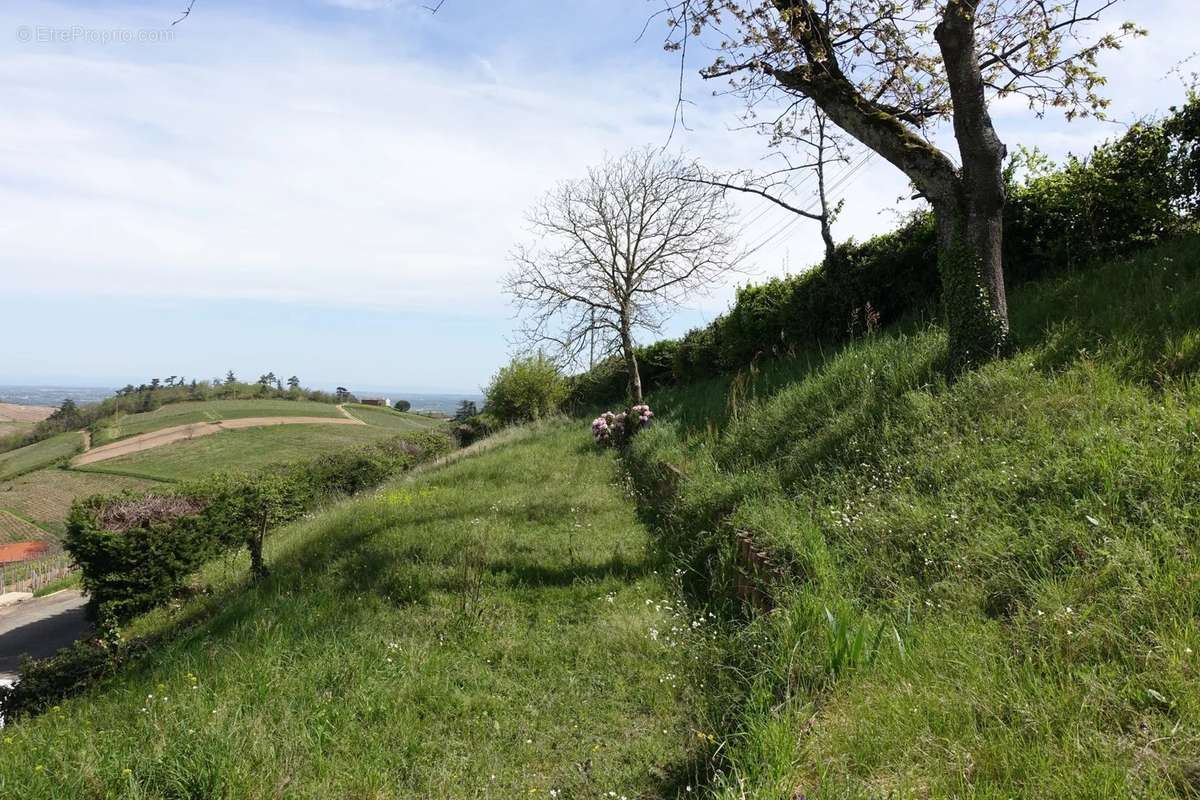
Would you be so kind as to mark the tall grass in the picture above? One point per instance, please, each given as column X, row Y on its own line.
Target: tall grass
column 495, row 627
column 1028, row 532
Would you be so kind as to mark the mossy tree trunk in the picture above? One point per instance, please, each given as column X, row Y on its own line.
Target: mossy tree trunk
column 971, row 223
column 968, row 201
column 972, row 273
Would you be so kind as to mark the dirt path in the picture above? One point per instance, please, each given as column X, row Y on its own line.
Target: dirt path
column 149, row 441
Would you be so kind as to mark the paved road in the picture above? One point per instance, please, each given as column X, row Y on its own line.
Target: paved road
column 39, row 627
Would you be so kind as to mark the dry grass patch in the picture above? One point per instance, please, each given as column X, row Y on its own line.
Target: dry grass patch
column 12, row 412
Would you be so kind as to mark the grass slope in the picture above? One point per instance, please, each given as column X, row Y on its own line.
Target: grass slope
column 1029, row 531
column 248, row 448
column 489, row 628
column 15, row 529
column 40, row 454
column 173, row 414
column 390, row 418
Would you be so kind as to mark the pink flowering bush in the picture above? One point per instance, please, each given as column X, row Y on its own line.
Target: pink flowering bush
column 614, row 430
column 643, row 414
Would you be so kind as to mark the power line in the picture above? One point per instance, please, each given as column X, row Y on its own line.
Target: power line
column 842, row 181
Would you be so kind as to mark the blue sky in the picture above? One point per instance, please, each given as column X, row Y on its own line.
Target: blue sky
column 331, row 187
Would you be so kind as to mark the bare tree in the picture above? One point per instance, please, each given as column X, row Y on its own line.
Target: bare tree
column 615, row 254
column 817, row 146
column 887, row 72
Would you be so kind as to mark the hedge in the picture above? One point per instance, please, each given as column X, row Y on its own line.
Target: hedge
column 1128, row 193
column 128, row 568
column 135, row 550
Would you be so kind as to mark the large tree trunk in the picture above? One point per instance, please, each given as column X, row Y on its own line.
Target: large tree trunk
column 968, row 202
column 972, row 283
column 970, row 227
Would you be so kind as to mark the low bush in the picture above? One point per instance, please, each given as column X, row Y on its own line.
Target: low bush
column 135, row 551
column 474, row 428
column 47, row 681
column 526, row 389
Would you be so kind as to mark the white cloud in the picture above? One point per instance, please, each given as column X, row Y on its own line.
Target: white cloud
column 247, row 159
column 303, row 170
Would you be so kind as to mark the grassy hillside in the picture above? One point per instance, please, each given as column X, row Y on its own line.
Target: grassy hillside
column 991, row 585
column 16, row 529
column 247, row 448
column 390, row 418
column 39, row 455
column 208, row 411
column 980, row 588
column 492, row 628
column 44, row 497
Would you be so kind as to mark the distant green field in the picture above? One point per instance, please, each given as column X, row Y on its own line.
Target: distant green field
column 40, row 454
column 208, row 411
column 388, row 418
column 248, row 449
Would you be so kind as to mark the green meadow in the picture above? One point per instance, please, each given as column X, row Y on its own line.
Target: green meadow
column 496, row 627
column 244, row 448
column 41, row 454
column 186, row 413
column 390, row 418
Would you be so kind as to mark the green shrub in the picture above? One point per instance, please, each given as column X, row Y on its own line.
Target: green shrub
column 527, row 389
column 135, row 551
column 474, row 428
column 47, row 681
column 421, row 446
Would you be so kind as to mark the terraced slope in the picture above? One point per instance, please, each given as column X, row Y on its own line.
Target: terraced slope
column 40, row 454
column 175, row 414
column 490, row 628
column 248, row 449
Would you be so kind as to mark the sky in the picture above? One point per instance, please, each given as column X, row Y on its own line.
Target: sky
column 331, row 188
